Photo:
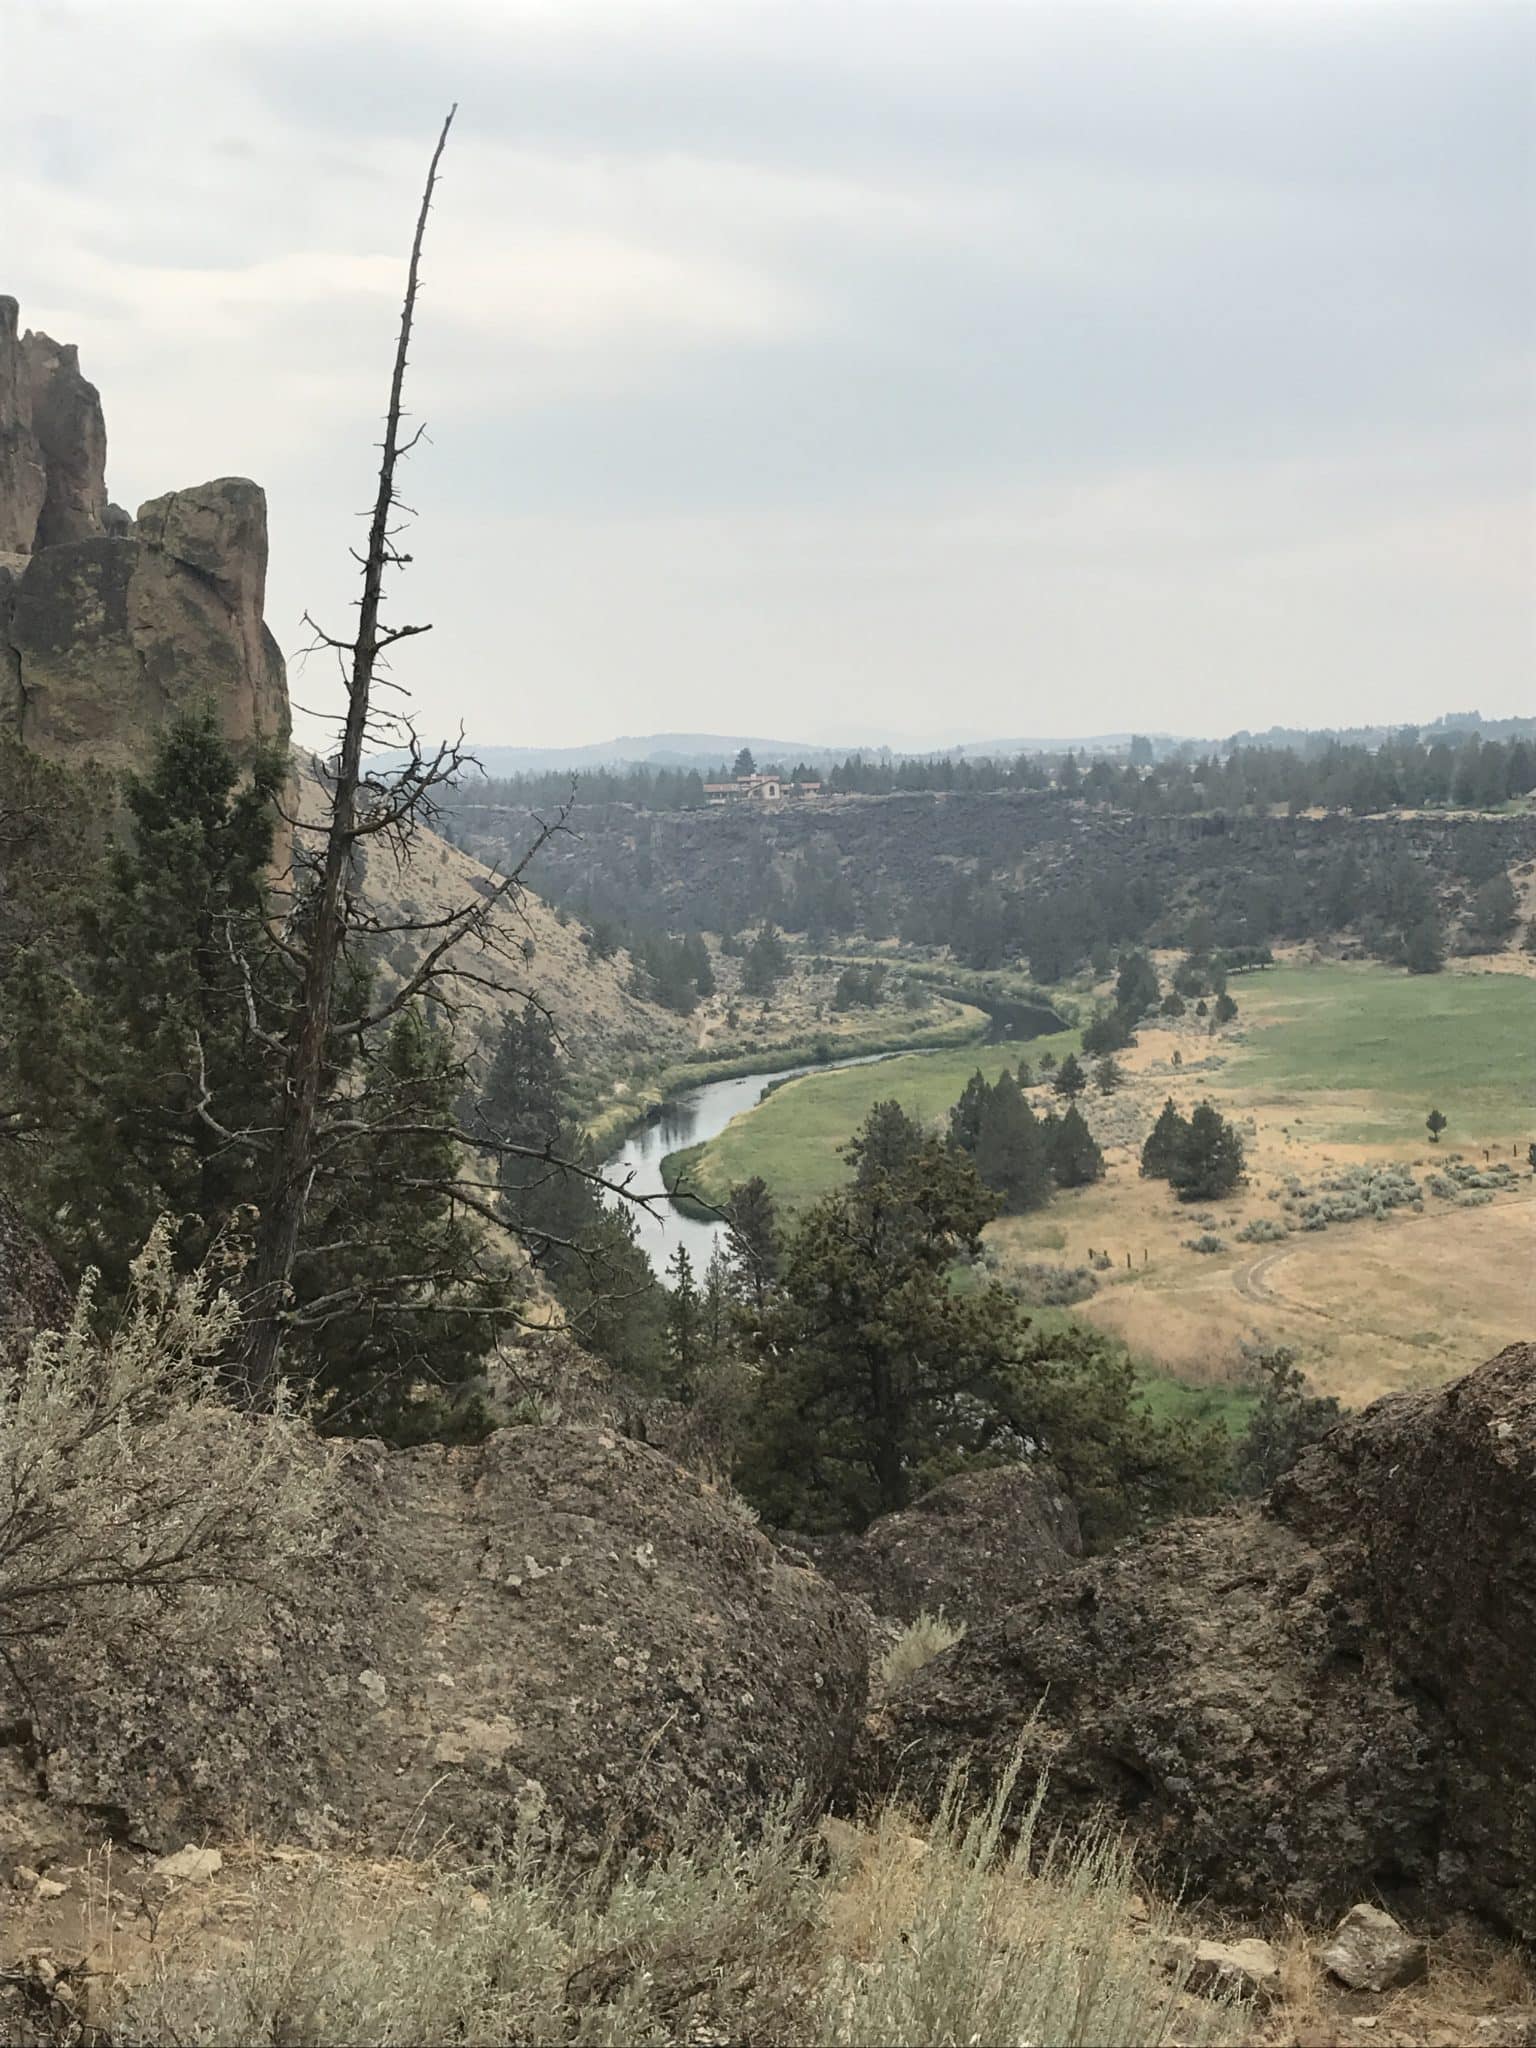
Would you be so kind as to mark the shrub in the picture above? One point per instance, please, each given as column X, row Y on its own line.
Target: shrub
column 128, row 1483
column 1205, row 1242
column 1047, row 1286
column 884, row 1939
column 918, row 1644
column 1263, row 1230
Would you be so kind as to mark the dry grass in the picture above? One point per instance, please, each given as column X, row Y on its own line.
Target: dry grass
column 918, row 1644
column 850, row 1936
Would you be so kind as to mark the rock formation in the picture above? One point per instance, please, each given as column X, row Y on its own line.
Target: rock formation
column 108, row 629
column 971, row 1548
column 1303, row 1703
column 559, row 1624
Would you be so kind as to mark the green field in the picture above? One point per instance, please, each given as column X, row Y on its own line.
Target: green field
column 1386, row 1046
column 794, row 1136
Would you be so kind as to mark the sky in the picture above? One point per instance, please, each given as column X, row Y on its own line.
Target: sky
column 904, row 370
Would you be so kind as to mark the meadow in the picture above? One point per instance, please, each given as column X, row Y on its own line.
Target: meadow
column 795, row 1136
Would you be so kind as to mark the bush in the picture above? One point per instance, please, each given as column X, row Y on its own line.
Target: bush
column 918, row 1644
column 1047, row 1286
column 128, row 1483
column 1205, row 1242
column 1263, row 1230
column 863, row 1937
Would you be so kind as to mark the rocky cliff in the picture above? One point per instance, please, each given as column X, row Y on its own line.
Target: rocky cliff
column 111, row 627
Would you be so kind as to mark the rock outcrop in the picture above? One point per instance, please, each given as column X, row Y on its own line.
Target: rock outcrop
column 109, row 628
column 558, row 1625
column 972, row 1548
column 1329, row 1696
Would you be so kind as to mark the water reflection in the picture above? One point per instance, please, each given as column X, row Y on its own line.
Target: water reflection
column 691, row 1119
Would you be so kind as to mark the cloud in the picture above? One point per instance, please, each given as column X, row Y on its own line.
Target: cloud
column 867, row 359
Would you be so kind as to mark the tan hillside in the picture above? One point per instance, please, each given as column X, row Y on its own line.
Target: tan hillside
column 608, row 1033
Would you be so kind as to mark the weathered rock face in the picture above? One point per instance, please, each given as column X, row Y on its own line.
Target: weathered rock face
column 72, row 435
column 559, row 1622
column 1332, row 1695
column 108, row 631
column 973, row 1547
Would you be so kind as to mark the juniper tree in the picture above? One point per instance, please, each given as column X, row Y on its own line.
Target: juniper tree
column 969, row 1113
column 752, row 1235
column 1070, row 1078
column 1435, row 1123
column 1010, row 1153
column 1209, row 1160
column 1075, row 1158
column 1162, row 1144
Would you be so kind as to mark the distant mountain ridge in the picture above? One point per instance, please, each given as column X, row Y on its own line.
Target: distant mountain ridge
column 703, row 750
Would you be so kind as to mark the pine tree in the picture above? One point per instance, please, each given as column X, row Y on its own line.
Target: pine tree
column 151, row 1075
column 766, row 963
column 1070, row 1078
column 1209, row 1160
column 401, row 1296
column 1424, row 946
column 685, row 1321
column 1108, row 1075
column 1136, row 986
column 752, row 1235
column 1075, row 1158
column 1224, row 1009
column 1435, row 1123
column 969, row 1113
column 1164, row 1139
column 884, row 1142
column 1010, row 1150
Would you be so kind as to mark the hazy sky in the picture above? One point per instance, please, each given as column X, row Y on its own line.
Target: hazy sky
column 922, row 369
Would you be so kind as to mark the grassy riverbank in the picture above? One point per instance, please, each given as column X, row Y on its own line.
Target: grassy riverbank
column 962, row 1026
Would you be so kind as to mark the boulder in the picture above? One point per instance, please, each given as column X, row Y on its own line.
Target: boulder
column 1368, row 1951
column 1226, row 1969
column 1329, row 1694
column 558, row 1626
column 971, row 1547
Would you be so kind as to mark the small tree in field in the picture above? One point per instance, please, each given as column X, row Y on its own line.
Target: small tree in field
column 1209, row 1160
column 1075, row 1158
column 1163, row 1141
column 1435, row 1123
column 1224, row 1009
column 1070, row 1078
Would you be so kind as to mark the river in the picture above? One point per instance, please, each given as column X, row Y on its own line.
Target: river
column 689, row 1119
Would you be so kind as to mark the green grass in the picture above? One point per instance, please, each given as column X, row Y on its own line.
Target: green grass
column 1464, row 1043
column 1178, row 1401
column 794, row 1136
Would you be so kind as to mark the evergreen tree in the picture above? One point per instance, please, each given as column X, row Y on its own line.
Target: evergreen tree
column 1224, row 1009
column 1209, row 1160
column 877, row 1379
column 885, row 1141
column 1075, row 1158
column 1288, row 1420
column 744, row 763
column 1108, row 1075
column 1423, row 947
column 1070, row 1078
column 685, row 1321
column 766, row 963
column 1010, row 1150
column 1136, row 986
column 149, row 1073
column 969, row 1113
column 397, row 1295
column 1493, row 914
column 752, row 1235
column 1164, row 1140
column 1435, row 1123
